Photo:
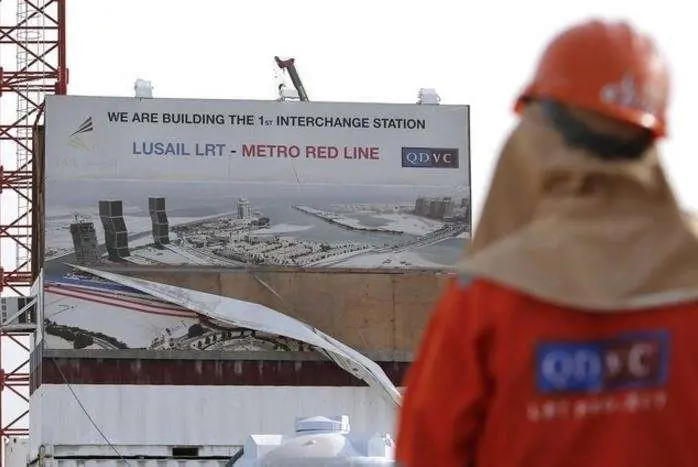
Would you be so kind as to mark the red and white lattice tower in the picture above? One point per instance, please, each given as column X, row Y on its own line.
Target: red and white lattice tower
column 32, row 65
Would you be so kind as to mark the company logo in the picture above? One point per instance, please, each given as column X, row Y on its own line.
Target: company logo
column 78, row 137
column 631, row 361
column 438, row 158
column 628, row 93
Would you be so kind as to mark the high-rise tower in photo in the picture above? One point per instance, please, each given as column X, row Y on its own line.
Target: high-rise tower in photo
column 111, row 214
column 158, row 216
column 84, row 242
column 244, row 209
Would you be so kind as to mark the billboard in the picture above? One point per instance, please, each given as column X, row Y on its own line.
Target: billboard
column 173, row 183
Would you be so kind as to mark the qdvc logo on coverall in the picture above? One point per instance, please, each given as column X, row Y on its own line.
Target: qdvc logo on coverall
column 629, row 361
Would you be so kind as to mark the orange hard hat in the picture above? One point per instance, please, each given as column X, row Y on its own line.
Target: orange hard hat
column 607, row 67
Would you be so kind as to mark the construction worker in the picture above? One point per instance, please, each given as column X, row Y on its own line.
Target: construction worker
column 570, row 336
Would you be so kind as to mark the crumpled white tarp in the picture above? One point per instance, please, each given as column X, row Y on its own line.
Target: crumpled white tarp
column 261, row 318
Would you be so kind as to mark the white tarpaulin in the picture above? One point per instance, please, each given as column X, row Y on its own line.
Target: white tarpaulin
column 263, row 319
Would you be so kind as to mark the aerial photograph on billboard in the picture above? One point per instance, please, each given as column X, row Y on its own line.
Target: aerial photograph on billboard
column 174, row 182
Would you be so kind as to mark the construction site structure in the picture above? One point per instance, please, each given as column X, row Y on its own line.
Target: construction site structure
column 32, row 65
column 34, row 37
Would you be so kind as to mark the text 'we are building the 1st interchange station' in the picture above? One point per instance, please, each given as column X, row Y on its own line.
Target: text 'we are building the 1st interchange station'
column 370, row 143
column 415, row 156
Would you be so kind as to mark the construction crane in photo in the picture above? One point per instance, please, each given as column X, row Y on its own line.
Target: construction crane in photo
column 290, row 66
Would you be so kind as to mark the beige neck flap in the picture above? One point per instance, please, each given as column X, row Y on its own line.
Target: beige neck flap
column 579, row 232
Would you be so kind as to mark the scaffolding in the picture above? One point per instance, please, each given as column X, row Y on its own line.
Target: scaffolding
column 32, row 35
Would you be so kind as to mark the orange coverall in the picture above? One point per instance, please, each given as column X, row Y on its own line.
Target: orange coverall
column 503, row 379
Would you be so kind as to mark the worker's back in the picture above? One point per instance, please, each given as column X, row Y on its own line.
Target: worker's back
column 574, row 388
column 580, row 213
column 535, row 385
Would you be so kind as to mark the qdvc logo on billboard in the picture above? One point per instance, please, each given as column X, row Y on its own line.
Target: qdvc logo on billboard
column 435, row 158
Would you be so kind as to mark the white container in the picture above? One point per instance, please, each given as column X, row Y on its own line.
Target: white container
column 319, row 441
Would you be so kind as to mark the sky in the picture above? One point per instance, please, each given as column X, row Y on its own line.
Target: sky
column 475, row 53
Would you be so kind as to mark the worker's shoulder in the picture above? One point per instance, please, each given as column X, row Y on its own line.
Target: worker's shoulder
column 468, row 282
column 475, row 289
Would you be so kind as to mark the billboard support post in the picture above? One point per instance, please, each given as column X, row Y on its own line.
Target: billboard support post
column 36, row 37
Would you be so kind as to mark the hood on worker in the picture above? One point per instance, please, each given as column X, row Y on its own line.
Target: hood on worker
column 574, row 230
